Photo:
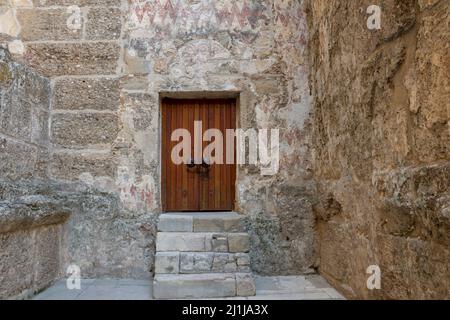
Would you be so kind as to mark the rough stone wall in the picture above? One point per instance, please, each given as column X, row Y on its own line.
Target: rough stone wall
column 102, row 237
column 106, row 78
column 381, row 145
column 24, row 116
column 252, row 47
column 30, row 224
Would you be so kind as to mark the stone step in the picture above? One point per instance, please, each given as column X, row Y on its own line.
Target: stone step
column 202, row 242
column 210, row 285
column 201, row 222
column 175, row 262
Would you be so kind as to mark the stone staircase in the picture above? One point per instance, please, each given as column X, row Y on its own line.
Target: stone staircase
column 202, row 255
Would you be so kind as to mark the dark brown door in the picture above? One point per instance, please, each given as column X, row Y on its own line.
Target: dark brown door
column 202, row 185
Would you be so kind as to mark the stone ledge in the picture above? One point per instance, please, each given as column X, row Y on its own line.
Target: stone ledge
column 29, row 212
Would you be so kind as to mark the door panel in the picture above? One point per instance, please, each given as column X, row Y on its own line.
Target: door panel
column 201, row 188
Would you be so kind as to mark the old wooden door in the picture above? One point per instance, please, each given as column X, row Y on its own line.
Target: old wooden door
column 202, row 186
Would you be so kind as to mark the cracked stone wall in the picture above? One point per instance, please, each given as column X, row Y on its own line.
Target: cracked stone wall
column 381, row 145
column 107, row 69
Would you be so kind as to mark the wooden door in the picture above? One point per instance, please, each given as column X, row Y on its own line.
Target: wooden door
column 202, row 186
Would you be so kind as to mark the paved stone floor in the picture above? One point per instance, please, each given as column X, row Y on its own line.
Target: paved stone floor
column 310, row 287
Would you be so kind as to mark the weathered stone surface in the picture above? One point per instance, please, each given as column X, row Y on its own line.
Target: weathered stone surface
column 381, row 137
column 245, row 285
column 238, row 242
column 16, row 264
column 30, row 212
column 205, row 262
column 30, row 234
column 84, row 129
column 81, row 3
column 175, row 223
column 17, row 160
column 48, row 250
column 196, row 262
column 202, row 222
column 68, row 165
column 224, row 262
column 103, row 23
column 176, row 241
column 200, row 241
column 113, row 242
column 54, row 59
column 187, row 286
column 49, row 24
column 39, row 126
column 217, row 243
column 226, row 222
column 16, row 117
column 86, row 94
column 167, row 262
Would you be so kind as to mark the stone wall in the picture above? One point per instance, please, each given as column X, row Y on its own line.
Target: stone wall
column 381, row 145
column 106, row 80
column 30, row 224
column 255, row 48
column 24, row 117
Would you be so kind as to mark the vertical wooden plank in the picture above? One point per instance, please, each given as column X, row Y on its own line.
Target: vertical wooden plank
column 197, row 116
column 204, row 183
column 226, row 168
column 233, row 167
column 172, row 195
column 218, row 172
column 163, row 156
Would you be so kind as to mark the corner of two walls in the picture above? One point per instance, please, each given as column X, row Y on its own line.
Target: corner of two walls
column 381, row 142
column 31, row 220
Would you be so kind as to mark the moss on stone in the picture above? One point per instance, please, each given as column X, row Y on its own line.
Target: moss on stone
column 6, row 76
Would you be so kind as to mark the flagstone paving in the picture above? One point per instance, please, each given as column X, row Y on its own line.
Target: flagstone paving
column 309, row 287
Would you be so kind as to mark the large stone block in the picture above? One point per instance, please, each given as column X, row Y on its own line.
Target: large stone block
column 103, row 23
column 31, row 86
column 48, row 24
column 167, row 262
column 16, row 263
column 84, row 129
column 178, row 241
column 86, row 93
column 224, row 262
column 71, row 165
column 47, row 255
column 175, row 223
column 217, row 243
column 245, row 285
column 226, row 222
column 15, row 116
column 196, row 262
column 144, row 110
column 17, row 160
column 191, row 286
column 56, row 59
column 238, row 242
